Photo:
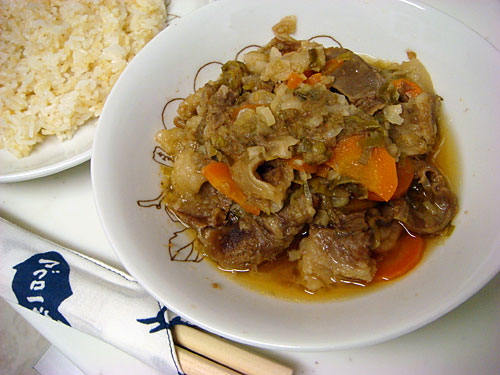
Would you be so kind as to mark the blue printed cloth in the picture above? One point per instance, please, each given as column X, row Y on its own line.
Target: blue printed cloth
column 87, row 295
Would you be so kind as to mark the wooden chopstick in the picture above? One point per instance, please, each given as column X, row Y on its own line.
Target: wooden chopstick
column 194, row 364
column 225, row 353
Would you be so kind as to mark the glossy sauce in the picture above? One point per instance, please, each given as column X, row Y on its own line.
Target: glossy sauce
column 280, row 279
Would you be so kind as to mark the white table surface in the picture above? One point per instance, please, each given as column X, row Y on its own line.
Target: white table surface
column 464, row 341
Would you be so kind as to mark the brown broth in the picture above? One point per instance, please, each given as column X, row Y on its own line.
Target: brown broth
column 280, row 279
column 446, row 157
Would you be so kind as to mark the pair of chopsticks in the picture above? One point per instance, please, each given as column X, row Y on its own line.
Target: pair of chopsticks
column 201, row 353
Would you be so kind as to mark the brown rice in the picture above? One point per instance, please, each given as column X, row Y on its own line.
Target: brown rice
column 59, row 60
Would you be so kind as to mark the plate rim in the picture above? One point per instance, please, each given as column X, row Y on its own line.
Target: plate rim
column 48, row 170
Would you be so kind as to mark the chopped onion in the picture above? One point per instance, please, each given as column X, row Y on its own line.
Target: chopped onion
column 267, row 114
column 290, row 101
column 392, row 114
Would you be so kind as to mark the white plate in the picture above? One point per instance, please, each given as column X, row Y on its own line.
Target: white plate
column 465, row 71
column 50, row 156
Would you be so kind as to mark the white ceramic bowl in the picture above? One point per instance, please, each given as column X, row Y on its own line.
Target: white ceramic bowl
column 465, row 71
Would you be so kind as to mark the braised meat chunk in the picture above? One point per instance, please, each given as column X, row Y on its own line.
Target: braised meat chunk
column 418, row 133
column 207, row 208
column 356, row 79
column 251, row 239
column 328, row 256
column 430, row 205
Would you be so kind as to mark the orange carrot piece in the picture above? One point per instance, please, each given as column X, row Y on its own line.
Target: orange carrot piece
column 219, row 176
column 294, row 80
column 332, row 65
column 407, row 87
column 404, row 257
column 298, row 163
column 378, row 175
column 405, row 171
column 314, row 79
column 374, row 197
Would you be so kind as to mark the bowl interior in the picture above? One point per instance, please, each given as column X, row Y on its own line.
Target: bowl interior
column 125, row 170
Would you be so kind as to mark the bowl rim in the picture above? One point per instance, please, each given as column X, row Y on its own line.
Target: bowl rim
column 489, row 268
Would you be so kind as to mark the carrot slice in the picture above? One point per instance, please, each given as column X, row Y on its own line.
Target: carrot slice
column 378, row 175
column 294, row 80
column 405, row 171
column 407, row 87
column 315, row 78
column 219, row 176
column 332, row 65
column 298, row 163
column 397, row 262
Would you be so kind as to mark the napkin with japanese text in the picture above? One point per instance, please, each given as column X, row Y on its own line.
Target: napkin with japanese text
column 85, row 294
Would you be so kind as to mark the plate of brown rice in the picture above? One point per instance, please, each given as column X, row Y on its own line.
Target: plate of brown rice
column 58, row 62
